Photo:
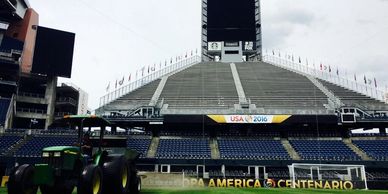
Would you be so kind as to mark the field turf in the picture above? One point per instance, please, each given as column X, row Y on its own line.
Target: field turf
column 243, row 191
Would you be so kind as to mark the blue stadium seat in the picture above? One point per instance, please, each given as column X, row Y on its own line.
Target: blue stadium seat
column 252, row 149
column 140, row 145
column 4, row 104
column 184, row 149
column 33, row 148
column 327, row 150
column 376, row 149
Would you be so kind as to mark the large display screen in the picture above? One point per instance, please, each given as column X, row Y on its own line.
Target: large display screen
column 53, row 54
column 231, row 20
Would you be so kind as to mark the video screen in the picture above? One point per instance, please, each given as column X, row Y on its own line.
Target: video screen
column 231, row 20
column 53, row 54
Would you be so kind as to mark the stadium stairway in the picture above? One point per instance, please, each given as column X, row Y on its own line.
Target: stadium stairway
column 357, row 150
column 158, row 91
column 16, row 146
column 335, row 101
column 237, row 83
column 151, row 153
column 354, row 98
column 291, row 151
column 215, row 152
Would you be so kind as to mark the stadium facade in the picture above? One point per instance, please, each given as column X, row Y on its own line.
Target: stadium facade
column 32, row 59
column 235, row 112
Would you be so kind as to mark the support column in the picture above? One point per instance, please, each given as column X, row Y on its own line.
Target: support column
column 50, row 96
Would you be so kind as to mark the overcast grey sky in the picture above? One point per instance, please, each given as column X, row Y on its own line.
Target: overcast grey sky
column 115, row 38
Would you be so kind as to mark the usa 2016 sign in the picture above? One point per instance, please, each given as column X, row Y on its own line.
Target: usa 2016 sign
column 249, row 119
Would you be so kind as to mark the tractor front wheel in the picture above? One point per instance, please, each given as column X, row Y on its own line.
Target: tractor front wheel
column 21, row 180
column 90, row 181
column 136, row 185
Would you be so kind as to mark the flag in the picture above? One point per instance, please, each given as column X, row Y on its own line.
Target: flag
column 364, row 79
column 171, row 61
column 337, row 72
column 375, row 82
column 329, row 69
column 355, row 77
column 129, row 77
column 321, row 67
column 142, row 71
column 148, row 69
column 107, row 88
column 300, row 60
column 121, row 82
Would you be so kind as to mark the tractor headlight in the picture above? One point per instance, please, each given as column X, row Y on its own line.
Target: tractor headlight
column 45, row 155
column 57, row 154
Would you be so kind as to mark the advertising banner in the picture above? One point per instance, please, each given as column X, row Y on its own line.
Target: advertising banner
column 250, row 119
column 272, row 183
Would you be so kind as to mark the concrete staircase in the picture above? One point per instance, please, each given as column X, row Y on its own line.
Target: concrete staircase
column 215, row 152
column 355, row 149
column 291, row 151
column 334, row 100
column 18, row 145
column 151, row 153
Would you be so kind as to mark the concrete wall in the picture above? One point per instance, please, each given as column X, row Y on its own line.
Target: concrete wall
column 25, row 31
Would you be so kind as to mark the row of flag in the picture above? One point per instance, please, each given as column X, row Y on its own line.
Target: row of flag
column 327, row 68
column 146, row 70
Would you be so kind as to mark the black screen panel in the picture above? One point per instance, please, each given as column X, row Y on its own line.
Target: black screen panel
column 53, row 54
column 231, row 20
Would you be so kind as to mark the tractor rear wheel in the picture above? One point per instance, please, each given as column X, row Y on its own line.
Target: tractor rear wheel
column 21, row 180
column 91, row 180
column 116, row 176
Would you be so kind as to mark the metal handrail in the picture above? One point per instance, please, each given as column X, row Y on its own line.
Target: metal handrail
column 170, row 69
column 361, row 88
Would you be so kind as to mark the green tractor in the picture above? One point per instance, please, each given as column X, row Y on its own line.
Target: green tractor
column 109, row 167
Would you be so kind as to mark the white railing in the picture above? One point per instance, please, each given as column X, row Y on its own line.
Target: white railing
column 173, row 68
column 332, row 77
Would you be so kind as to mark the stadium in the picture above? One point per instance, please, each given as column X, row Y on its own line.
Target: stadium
column 228, row 118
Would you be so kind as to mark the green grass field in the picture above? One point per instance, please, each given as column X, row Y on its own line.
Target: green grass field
column 242, row 191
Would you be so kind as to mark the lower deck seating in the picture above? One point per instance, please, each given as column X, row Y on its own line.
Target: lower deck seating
column 252, row 149
column 324, row 150
column 33, row 148
column 376, row 149
column 184, row 149
column 4, row 104
column 140, row 145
